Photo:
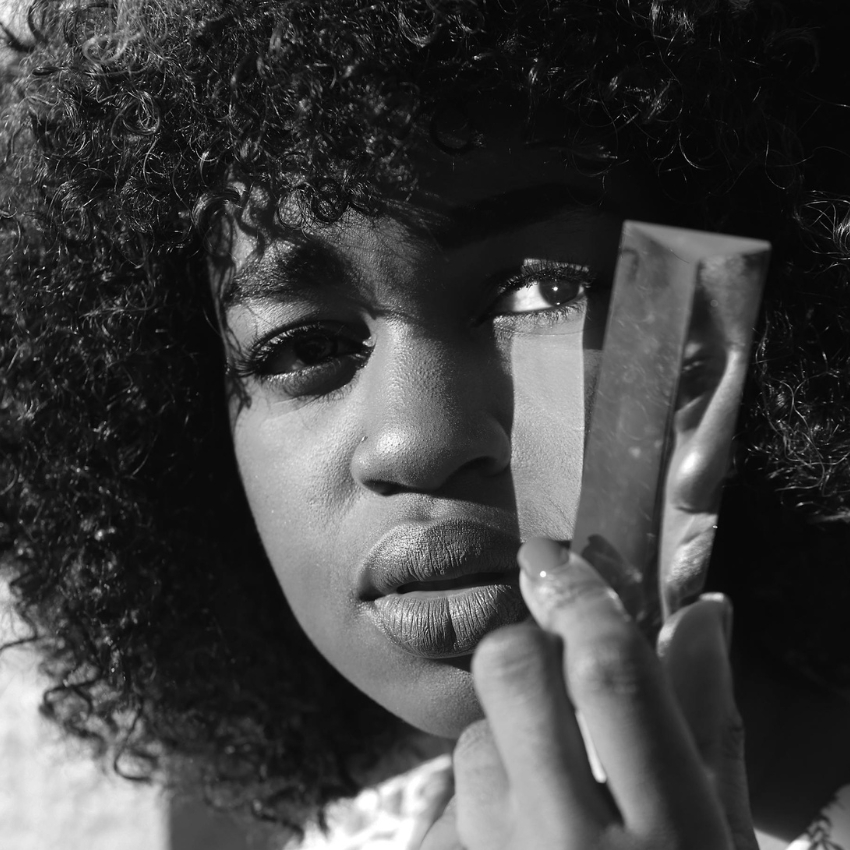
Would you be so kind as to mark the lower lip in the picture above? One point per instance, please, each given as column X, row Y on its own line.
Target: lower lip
column 447, row 623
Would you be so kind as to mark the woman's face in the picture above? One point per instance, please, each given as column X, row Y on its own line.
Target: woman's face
column 416, row 407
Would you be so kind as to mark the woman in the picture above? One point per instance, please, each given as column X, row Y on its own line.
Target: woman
column 390, row 228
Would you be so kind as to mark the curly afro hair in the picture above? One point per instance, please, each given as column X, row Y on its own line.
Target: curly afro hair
column 123, row 527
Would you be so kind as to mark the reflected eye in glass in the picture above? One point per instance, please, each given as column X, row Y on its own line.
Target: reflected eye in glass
column 700, row 375
column 539, row 288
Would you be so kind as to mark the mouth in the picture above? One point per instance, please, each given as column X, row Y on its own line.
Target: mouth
column 423, row 589
column 435, row 589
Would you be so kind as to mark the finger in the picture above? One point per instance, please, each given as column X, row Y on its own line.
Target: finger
column 693, row 646
column 615, row 680
column 482, row 797
column 443, row 834
column 519, row 679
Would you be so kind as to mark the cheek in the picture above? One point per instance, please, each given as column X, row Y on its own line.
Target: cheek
column 296, row 472
column 551, row 375
column 297, row 481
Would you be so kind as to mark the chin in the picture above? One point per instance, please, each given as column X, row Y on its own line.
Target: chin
column 437, row 697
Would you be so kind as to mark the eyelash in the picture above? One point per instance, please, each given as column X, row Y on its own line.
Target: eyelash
column 254, row 363
column 316, row 380
column 534, row 271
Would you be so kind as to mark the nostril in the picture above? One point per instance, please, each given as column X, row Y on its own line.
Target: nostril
column 382, row 488
column 486, row 465
column 415, row 459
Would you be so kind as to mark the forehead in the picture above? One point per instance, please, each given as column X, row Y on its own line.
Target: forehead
column 458, row 200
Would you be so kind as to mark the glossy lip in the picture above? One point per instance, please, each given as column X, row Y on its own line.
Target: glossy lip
column 442, row 622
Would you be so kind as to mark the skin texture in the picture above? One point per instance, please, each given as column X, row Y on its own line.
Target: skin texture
column 469, row 406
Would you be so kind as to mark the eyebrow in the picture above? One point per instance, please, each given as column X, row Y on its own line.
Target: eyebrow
column 307, row 262
column 303, row 265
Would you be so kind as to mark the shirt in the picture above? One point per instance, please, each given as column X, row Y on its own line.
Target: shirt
column 396, row 814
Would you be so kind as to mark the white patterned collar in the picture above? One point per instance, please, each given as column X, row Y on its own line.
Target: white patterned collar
column 392, row 815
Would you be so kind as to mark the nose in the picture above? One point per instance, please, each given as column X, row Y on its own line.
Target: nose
column 429, row 414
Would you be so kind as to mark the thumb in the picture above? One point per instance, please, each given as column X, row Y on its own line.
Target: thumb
column 694, row 650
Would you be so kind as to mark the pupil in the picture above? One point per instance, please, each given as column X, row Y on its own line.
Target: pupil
column 315, row 349
column 558, row 291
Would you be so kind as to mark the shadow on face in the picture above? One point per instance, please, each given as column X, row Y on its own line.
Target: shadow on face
column 412, row 402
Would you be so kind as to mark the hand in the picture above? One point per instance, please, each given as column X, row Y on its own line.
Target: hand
column 666, row 732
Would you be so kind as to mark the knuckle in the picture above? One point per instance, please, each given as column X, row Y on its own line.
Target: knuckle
column 511, row 658
column 613, row 665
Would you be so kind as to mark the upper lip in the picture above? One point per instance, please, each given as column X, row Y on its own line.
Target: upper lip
column 436, row 552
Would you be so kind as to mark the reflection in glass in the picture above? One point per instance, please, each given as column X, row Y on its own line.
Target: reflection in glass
column 676, row 350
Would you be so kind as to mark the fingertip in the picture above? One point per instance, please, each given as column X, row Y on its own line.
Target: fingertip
column 705, row 623
column 538, row 555
column 541, row 560
column 554, row 578
column 695, row 657
column 472, row 737
column 726, row 614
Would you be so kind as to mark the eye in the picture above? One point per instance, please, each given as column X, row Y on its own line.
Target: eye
column 306, row 350
column 701, row 373
column 309, row 360
column 540, row 287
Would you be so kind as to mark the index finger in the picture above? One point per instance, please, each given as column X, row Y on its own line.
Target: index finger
column 616, row 682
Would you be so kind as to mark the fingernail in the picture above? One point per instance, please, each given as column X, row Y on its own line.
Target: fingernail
column 559, row 576
column 540, row 556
